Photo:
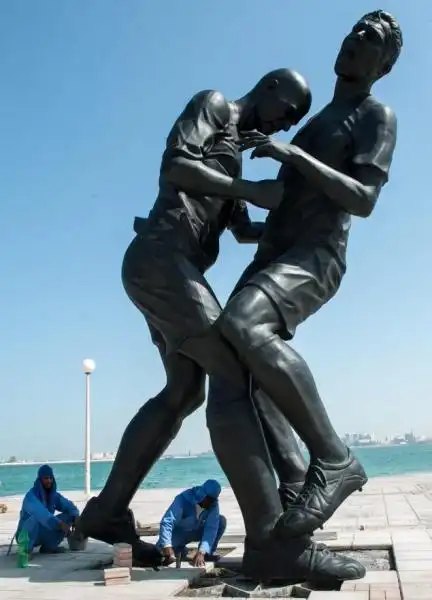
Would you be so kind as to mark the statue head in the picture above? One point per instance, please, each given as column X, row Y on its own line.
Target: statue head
column 279, row 100
column 371, row 49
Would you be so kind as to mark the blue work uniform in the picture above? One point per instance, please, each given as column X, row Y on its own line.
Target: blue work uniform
column 37, row 514
column 185, row 521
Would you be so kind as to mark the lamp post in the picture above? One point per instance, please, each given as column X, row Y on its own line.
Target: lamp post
column 89, row 366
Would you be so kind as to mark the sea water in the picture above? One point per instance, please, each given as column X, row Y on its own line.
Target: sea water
column 189, row 471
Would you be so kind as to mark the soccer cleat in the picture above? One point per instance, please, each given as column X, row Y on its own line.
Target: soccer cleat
column 327, row 486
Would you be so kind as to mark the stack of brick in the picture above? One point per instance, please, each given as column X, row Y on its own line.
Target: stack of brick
column 122, row 555
column 117, row 576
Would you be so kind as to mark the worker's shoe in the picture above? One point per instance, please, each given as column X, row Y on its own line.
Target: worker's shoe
column 212, row 557
column 327, row 486
column 297, row 561
column 95, row 523
column 288, row 493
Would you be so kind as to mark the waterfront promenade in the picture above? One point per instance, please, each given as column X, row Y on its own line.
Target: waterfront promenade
column 392, row 513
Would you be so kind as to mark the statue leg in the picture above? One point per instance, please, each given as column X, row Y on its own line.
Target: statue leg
column 145, row 439
column 288, row 461
column 239, row 443
column 151, row 431
column 251, row 323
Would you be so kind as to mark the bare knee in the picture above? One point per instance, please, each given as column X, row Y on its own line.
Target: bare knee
column 195, row 399
column 185, row 388
column 186, row 397
column 233, row 328
column 248, row 319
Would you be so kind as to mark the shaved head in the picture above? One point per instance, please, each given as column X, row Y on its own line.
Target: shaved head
column 279, row 100
column 291, row 84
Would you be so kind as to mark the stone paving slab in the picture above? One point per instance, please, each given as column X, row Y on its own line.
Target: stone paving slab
column 83, row 574
column 339, row 596
column 390, row 513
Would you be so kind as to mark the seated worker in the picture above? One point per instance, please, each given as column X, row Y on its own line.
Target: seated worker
column 193, row 517
column 37, row 514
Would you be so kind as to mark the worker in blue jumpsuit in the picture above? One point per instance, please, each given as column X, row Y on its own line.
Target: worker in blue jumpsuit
column 193, row 517
column 37, row 516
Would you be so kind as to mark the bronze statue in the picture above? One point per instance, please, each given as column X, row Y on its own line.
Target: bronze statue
column 163, row 274
column 335, row 167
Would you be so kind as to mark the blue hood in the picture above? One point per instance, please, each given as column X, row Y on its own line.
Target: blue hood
column 45, row 496
column 197, row 494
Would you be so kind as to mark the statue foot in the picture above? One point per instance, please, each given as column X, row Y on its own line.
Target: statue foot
column 298, row 560
column 288, row 493
column 96, row 523
column 327, row 486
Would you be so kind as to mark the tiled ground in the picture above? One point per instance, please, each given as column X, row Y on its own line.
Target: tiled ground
column 392, row 512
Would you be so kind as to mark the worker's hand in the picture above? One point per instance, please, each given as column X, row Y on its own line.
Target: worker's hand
column 64, row 527
column 198, row 560
column 169, row 552
column 169, row 556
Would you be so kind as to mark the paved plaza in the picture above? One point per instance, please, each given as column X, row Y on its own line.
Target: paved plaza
column 392, row 513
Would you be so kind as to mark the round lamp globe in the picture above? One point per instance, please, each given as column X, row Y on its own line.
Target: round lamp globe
column 89, row 366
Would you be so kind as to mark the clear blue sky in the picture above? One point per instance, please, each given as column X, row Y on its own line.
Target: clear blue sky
column 89, row 90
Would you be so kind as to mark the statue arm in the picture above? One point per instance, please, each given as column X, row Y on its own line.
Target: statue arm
column 356, row 196
column 196, row 177
column 206, row 115
column 357, row 193
column 243, row 229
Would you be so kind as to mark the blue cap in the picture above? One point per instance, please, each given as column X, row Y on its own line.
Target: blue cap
column 212, row 488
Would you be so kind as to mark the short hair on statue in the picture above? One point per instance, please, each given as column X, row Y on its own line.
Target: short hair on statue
column 393, row 33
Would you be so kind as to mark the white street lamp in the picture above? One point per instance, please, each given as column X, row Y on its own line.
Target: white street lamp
column 89, row 366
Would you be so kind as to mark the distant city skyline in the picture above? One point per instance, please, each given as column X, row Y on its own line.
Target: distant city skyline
column 362, row 439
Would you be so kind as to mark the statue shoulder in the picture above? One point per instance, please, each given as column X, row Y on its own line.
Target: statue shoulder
column 214, row 103
column 380, row 114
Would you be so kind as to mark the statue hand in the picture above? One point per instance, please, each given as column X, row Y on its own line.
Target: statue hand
column 252, row 139
column 266, row 147
column 273, row 149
